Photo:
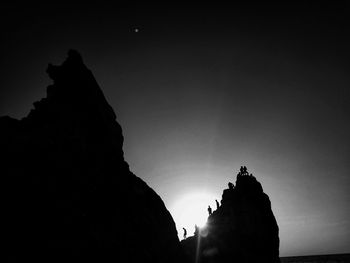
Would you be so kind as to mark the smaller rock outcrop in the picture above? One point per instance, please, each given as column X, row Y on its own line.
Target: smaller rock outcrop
column 242, row 229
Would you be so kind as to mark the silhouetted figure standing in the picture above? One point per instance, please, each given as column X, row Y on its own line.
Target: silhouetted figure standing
column 209, row 210
column 217, row 204
column 241, row 170
column 185, row 233
column 230, row 186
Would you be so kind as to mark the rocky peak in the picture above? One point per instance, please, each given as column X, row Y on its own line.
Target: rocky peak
column 70, row 194
column 242, row 229
column 75, row 84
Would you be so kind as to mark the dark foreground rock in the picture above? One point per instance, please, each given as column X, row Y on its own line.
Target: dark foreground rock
column 69, row 196
column 242, row 229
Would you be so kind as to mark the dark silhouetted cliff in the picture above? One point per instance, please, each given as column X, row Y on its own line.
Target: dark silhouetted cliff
column 69, row 196
column 242, row 229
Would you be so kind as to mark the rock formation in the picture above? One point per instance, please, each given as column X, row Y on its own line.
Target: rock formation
column 242, row 229
column 69, row 195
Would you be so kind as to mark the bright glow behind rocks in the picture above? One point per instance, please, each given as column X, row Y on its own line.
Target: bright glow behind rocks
column 191, row 210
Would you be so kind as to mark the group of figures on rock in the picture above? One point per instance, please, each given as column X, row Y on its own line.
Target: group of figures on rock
column 243, row 171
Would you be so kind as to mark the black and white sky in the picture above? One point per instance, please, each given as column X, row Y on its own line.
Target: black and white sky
column 200, row 91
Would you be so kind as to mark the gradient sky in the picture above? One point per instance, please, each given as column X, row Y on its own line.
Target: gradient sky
column 201, row 91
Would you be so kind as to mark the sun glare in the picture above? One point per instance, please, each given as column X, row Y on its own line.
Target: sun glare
column 191, row 210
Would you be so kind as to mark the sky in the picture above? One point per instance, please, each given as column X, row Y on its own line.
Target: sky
column 200, row 91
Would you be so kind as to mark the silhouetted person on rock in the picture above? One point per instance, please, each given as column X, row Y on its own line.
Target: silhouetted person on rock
column 185, row 233
column 230, row 186
column 243, row 171
column 217, row 204
column 209, row 210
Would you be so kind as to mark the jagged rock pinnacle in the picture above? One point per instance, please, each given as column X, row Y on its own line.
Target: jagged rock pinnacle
column 242, row 229
column 75, row 83
column 70, row 194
